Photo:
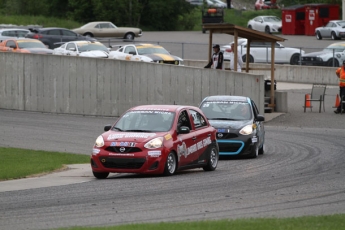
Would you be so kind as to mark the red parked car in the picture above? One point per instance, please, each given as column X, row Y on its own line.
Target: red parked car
column 262, row 4
column 156, row 139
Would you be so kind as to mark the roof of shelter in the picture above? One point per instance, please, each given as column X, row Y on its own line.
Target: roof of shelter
column 242, row 32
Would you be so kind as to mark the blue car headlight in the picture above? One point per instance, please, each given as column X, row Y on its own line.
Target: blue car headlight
column 247, row 130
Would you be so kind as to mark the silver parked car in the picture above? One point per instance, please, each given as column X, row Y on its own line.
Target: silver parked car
column 332, row 55
column 108, row 29
column 12, row 33
column 335, row 29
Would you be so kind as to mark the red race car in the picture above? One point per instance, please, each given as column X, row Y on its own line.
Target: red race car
column 156, row 139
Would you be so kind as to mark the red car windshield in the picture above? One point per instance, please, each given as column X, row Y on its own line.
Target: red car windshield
column 145, row 121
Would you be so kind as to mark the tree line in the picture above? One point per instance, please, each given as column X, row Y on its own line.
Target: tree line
column 159, row 15
column 152, row 14
column 303, row 2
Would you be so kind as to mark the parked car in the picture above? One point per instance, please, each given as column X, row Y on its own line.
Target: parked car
column 240, row 127
column 83, row 49
column 156, row 139
column 218, row 3
column 332, row 55
column 53, row 37
column 209, row 3
column 264, row 5
column 24, row 46
column 145, row 53
column 267, row 24
column 334, row 29
column 12, row 33
column 260, row 52
column 108, row 29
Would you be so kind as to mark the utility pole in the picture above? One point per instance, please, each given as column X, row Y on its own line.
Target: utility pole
column 343, row 9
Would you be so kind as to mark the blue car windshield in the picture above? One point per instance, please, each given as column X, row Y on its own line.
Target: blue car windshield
column 145, row 121
column 227, row 110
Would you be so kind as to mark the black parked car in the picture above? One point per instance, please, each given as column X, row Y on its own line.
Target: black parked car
column 54, row 37
column 240, row 127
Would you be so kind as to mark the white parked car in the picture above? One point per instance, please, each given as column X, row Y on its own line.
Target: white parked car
column 145, row 53
column 83, row 49
column 267, row 24
column 260, row 52
column 210, row 3
column 334, row 29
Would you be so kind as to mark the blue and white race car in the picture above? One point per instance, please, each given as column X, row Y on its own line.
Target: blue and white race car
column 240, row 127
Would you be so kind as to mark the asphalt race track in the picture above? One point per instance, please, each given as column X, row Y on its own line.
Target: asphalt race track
column 301, row 173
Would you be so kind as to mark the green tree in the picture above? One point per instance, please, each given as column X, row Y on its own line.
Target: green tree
column 303, row 2
column 164, row 15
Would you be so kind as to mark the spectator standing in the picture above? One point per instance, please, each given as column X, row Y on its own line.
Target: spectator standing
column 232, row 58
column 340, row 72
column 217, row 59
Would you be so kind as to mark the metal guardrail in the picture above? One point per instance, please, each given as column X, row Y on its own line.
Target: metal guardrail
column 197, row 51
column 10, row 26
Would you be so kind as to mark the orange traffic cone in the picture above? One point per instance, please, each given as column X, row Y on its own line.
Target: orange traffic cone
column 337, row 101
column 307, row 102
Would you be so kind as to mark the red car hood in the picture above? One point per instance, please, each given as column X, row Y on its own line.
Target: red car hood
column 128, row 136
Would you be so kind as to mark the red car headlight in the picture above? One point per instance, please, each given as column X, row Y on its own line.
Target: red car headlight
column 154, row 143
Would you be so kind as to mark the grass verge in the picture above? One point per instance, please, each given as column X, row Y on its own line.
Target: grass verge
column 20, row 163
column 38, row 20
column 331, row 222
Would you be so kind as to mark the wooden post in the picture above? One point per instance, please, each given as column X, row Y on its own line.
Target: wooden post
column 247, row 54
column 272, row 76
column 210, row 46
column 235, row 50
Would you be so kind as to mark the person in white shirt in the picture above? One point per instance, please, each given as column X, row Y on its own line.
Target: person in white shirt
column 232, row 58
column 217, row 61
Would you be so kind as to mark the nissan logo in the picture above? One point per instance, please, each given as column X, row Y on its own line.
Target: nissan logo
column 122, row 149
column 220, row 135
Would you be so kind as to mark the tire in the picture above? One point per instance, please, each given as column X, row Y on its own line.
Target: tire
column 88, row 34
column 250, row 27
column 262, row 149
column 330, row 63
column 294, row 60
column 129, row 36
column 213, row 160
column 99, row 175
column 170, row 165
column 255, row 152
column 267, row 30
column 318, row 36
column 334, row 36
column 251, row 58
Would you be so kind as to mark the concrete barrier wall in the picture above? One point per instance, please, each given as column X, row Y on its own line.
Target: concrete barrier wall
column 92, row 86
column 288, row 73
